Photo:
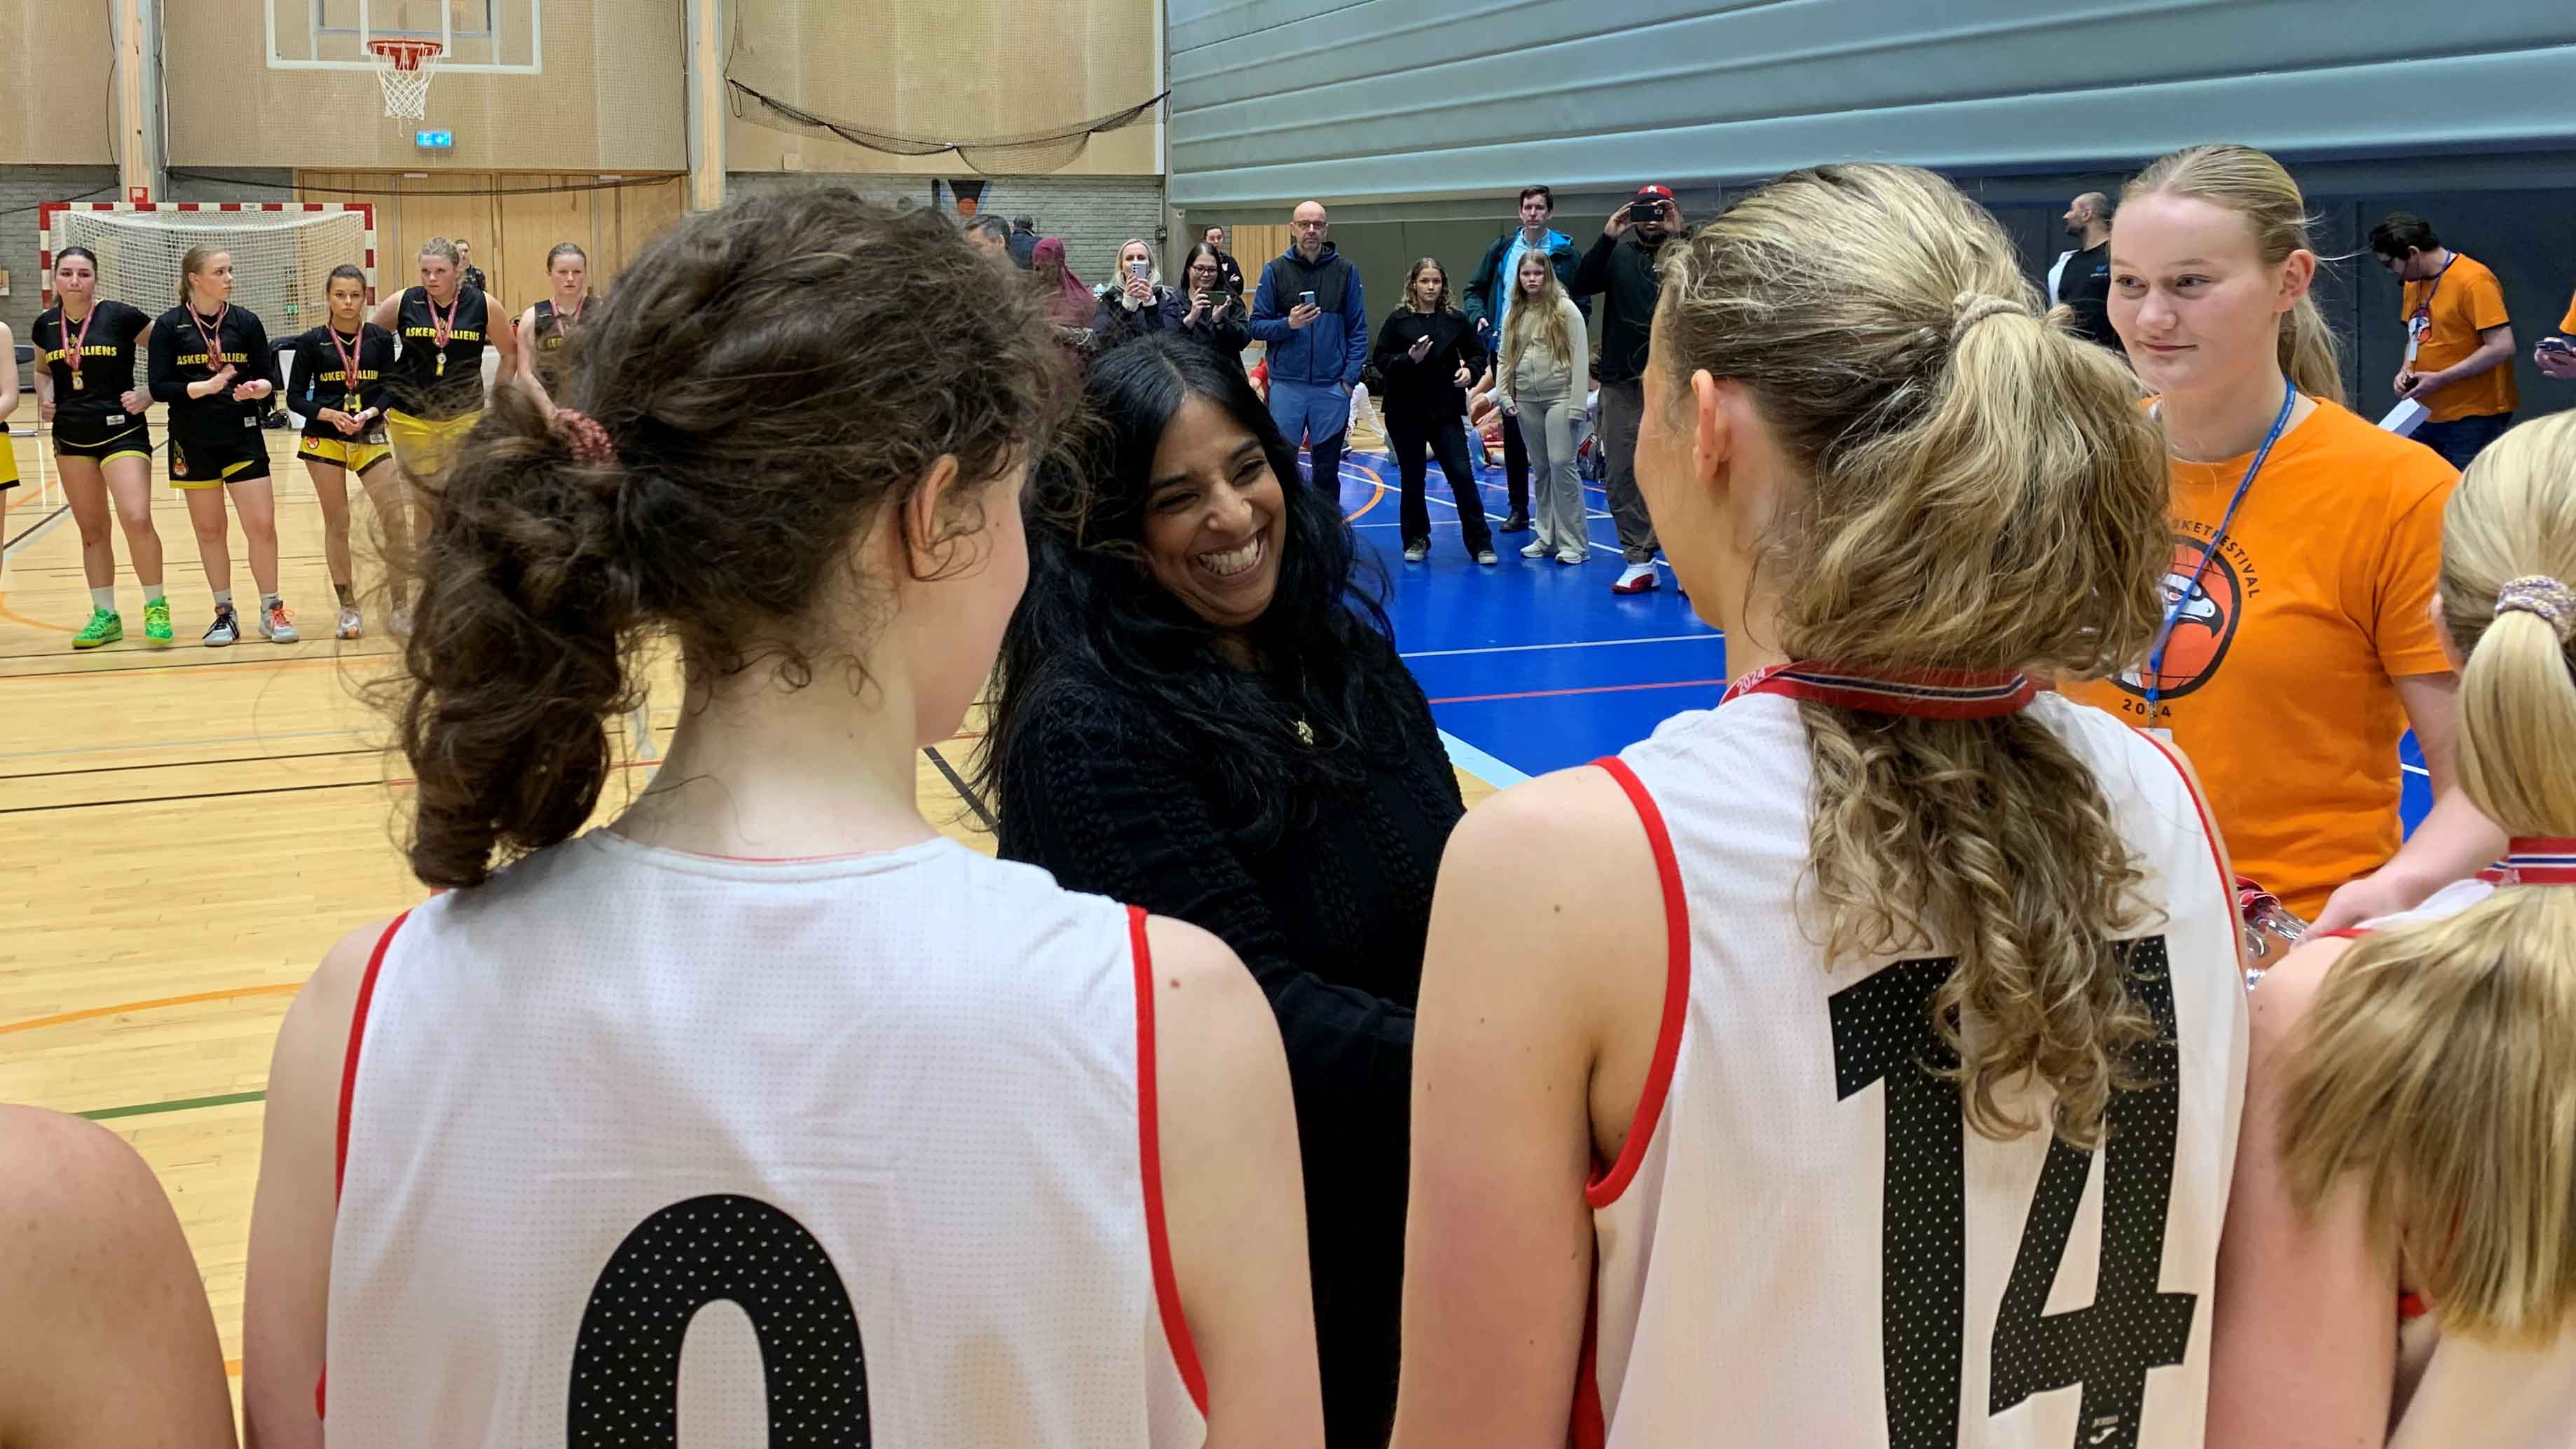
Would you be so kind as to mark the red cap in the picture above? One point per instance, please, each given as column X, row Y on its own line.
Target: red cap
column 1654, row 191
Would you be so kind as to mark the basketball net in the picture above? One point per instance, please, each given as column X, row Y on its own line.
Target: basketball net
column 404, row 68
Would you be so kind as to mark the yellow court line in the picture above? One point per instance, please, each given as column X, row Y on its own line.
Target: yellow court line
column 280, row 988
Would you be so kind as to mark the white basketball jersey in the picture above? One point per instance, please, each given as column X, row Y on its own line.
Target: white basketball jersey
column 888, row 1120
column 1803, row 1242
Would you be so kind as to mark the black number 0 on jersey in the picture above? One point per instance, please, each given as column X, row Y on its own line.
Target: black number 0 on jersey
column 626, row 1363
column 1883, row 1032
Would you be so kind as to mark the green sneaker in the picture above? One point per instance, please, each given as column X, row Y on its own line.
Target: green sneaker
column 156, row 621
column 104, row 627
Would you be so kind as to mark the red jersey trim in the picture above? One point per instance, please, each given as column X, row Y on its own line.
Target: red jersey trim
column 1605, row 1190
column 357, row 1041
column 1149, row 1151
column 1591, row 1427
column 2209, row 832
column 349, row 1094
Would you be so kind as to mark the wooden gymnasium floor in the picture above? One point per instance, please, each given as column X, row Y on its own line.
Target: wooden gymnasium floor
column 188, row 829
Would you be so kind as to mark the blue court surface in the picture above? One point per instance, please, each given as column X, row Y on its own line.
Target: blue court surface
column 1533, row 665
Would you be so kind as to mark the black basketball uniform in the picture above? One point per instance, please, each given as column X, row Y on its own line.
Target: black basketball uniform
column 436, row 382
column 318, row 378
column 214, row 439
column 90, row 416
column 552, row 330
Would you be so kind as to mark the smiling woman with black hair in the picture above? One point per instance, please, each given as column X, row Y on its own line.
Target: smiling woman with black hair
column 1200, row 711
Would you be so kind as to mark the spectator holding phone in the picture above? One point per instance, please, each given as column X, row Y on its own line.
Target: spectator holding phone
column 2556, row 354
column 1620, row 269
column 1489, row 305
column 1131, row 306
column 1205, row 307
column 1213, row 238
column 1310, row 313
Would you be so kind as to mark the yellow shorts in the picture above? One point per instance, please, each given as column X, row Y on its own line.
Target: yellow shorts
column 355, row 454
column 425, row 446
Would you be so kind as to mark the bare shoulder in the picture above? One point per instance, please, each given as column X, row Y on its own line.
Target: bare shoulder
column 312, row 1040
column 59, row 1172
column 2282, row 999
column 1201, row 986
column 1582, row 819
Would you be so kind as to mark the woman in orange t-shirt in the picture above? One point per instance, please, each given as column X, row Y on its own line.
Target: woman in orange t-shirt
column 2300, row 643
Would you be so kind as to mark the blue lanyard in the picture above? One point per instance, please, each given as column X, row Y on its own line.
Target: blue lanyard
column 2164, row 634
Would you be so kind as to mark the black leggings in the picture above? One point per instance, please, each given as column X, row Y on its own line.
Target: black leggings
column 1445, row 437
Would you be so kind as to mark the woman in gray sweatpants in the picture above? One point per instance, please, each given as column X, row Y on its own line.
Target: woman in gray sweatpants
column 1545, row 380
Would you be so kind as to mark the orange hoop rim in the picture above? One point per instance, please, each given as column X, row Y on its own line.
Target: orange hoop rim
column 405, row 54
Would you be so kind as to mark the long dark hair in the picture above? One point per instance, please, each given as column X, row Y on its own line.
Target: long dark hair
column 1095, row 619
column 767, row 378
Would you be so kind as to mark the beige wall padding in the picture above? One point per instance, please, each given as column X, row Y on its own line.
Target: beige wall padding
column 511, row 234
column 57, row 84
column 611, row 98
column 942, row 68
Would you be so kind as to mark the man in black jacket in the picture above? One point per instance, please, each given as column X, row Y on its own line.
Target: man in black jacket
column 1620, row 269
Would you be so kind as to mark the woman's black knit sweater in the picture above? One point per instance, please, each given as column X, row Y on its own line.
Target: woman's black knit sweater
column 1330, row 919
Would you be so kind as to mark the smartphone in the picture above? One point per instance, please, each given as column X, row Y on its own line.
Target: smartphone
column 2557, row 344
column 1139, row 269
column 1645, row 211
column 1305, row 299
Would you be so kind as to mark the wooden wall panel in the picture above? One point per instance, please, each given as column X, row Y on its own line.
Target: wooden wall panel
column 511, row 233
column 57, row 84
column 531, row 225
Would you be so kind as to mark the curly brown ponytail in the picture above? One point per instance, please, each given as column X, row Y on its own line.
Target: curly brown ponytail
column 770, row 375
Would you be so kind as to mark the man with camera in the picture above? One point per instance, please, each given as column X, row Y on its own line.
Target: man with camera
column 1620, row 270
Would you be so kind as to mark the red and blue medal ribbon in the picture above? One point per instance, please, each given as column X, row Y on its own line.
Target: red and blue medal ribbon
column 1920, row 693
column 2537, row 860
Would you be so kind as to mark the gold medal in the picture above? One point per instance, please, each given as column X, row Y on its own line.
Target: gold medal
column 79, row 383
column 441, row 369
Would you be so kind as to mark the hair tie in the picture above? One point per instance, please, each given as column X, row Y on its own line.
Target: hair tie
column 588, row 440
column 1970, row 308
column 2542, row 595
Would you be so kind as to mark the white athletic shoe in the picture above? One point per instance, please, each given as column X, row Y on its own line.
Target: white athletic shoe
column 275, row 626
column 1638, row 578
column 1537, row 548
column 351, row 626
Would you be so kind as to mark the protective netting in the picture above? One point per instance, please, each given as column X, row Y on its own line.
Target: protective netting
column 1025, row 154
column 282, row 260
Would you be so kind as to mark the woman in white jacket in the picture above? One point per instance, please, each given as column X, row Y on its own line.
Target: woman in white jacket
column 1544, row 380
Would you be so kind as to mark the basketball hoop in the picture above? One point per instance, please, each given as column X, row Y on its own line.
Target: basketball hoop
column 404, row 69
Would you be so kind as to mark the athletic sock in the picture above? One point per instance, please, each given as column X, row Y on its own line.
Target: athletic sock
column 267, row 602
column 104, row 599
column 223, row 598
column 154, row 593
column 348, row 595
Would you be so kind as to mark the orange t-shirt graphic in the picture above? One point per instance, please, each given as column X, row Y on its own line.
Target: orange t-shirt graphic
column 2466, row 300
column 2277, row 676
column 2567, row 324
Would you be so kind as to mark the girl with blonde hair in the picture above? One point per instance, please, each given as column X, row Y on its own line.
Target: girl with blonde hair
column 1544, row 377
column 2294, row 650
column 2401, row 1248
column 1811, row 1168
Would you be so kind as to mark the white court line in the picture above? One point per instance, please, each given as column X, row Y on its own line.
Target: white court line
column 1576, row 644
column 52, row 521
column 1481, row 765
column 2415, row 769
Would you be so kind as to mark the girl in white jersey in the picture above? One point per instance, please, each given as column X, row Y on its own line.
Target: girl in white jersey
column 976, row 1161
column 2401, row 1249
column 1811, row 1164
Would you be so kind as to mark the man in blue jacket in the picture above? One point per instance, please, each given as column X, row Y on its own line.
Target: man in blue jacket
column 1489, row 304
column 1317, row 341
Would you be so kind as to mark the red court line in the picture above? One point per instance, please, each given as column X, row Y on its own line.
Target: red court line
column 1587, row 689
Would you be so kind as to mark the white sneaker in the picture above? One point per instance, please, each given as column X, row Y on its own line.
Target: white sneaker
column 399, row 626
column 1638, row 578
column 275, row 626
column 1574, row 556
column 351, row 626
column 1537, row 548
